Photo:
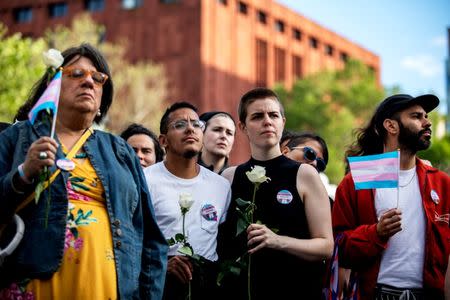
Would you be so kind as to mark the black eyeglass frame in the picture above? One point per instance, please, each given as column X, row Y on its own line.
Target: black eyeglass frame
column 310, row 155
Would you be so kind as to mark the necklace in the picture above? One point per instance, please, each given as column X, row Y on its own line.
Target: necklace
column 410, row 180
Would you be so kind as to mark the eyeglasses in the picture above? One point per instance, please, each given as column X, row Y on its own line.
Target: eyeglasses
column 78, row 73
column 310, row 155
column 181, row 125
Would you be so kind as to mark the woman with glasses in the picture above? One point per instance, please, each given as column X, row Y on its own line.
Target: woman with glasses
column 92, row 234
column 218, row 140
column 307, row 148
column 311, row 149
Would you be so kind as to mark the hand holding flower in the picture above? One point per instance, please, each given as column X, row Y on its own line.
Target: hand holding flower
column 259, row 236
column 181, row 267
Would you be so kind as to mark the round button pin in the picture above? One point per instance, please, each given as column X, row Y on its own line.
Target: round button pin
column 65, row 164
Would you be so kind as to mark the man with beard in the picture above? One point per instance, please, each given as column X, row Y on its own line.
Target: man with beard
column 398, row 252
column 179, row 177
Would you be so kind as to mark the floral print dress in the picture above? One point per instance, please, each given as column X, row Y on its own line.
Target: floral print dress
column 88, row 267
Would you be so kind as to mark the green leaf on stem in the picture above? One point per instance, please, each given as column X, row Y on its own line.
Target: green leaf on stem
column 242, row 203
column 241, row 226
column 38, row 190
column 171, row 241
column 186, row 250
column 179, row 237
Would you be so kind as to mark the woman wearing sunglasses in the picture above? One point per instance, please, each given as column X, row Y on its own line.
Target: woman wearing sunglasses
column 92, row 234
column 307, row 148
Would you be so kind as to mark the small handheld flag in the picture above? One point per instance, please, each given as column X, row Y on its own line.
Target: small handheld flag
column 375, row 171
column 48, row 100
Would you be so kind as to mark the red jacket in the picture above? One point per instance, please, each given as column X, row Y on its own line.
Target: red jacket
column 361, row 248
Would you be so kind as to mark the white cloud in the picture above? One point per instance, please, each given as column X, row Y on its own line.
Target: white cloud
column 425, row 65
column 439, row 41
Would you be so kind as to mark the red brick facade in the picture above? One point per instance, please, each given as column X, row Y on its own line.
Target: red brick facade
column 213, row 50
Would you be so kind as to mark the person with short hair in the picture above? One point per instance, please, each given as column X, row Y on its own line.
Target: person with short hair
column 145, row 143
column 396, row 239
column 180, row 174
column 218, row 140
column 292, row 234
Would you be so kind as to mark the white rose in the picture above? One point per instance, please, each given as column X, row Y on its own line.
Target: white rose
column 257, row 175
column 186, row 200
column 52, row 58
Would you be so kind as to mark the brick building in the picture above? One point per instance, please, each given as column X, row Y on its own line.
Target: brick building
column 213, row 50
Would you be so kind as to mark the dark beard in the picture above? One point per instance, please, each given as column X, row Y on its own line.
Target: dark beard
column 411, row 140
column 190, row 154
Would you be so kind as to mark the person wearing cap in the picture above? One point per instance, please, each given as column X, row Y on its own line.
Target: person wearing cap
column 218, row 139
column 398, row 252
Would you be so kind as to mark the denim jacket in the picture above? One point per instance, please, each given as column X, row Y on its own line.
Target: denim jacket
column 140, row 249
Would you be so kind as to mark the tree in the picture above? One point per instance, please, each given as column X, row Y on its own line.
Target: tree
column 140, row 89
column 21, row 65
column 332, row 104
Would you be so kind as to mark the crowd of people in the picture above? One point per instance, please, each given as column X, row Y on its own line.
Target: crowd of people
column 147, row 216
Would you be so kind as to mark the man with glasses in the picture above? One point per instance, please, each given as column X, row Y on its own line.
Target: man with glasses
column 181, row 134
column 291, row 233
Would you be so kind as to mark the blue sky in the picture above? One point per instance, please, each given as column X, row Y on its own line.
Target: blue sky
column 409, row 36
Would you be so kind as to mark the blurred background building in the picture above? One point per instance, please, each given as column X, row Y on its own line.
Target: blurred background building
column 213, row 50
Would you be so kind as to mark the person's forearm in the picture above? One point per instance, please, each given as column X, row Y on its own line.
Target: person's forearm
column 308, row 249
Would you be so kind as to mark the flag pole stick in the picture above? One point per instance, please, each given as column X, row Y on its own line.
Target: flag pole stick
column 52, row 133
column 398, row 178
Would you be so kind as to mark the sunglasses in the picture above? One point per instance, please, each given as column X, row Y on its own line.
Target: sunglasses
column 310, row 155
column 78, row 73
column 181, row 125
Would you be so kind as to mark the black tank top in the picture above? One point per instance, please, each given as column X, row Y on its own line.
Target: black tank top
column 275, row 274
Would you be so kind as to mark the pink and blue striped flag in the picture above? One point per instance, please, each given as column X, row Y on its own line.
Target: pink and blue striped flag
column 375, row 171
column 49, row 99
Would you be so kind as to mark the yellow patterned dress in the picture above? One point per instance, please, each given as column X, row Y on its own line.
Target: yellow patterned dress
column 88, row 267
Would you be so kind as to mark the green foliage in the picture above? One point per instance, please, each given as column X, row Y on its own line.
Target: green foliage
column 332, row 104
column 438, row 154
column 140, row 89
column 21, row 65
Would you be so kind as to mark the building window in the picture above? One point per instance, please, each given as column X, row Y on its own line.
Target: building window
column 131, row 4
column 23, row 15
column 279, row 26
column 329, row 50
column 94, row 5
column 296, row 34
column 224, row 2
column 344, row 56
column 280, row 64
column 242, row 7
column 261, row 63
column 56, row 10
column 297, row 67
column 313, row 42
column 262, row 17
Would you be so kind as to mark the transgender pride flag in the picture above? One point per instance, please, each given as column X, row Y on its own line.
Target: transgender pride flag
column 375, row 171
column 49, row 99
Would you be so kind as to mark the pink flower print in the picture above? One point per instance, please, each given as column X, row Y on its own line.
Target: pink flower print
column 78, row 244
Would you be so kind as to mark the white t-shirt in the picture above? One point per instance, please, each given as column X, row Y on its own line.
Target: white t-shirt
column 402, row 261
column 211, row 194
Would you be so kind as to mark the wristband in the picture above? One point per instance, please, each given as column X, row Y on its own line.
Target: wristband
column 23, row 176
